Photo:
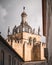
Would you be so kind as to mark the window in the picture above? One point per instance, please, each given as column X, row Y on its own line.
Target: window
column 13, row 61
column 17, row 62
column 2, row 57
column 30, row 40
column 26, row 29
column 9, row 60
column 18, row 41
column 34, row 40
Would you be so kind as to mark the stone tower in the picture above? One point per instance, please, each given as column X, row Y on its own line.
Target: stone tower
column 26, row 43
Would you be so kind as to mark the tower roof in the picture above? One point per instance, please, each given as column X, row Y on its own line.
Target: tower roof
column 23, row 27
column 23, row 13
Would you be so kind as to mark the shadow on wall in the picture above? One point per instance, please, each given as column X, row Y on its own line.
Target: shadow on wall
column 35, row 53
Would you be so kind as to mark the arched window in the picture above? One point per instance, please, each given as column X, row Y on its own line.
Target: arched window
column 30, row 40
column 34, row 40
column 2, row 57
column 13, row 61
column 26, row 29
column 9, row 60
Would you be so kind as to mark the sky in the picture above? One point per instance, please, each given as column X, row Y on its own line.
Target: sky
column 10, row 14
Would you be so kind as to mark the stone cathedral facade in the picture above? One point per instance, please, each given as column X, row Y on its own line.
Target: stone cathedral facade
column 25, row 42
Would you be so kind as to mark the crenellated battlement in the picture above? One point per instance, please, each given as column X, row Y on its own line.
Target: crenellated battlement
column 27, row 49
column 19, row 42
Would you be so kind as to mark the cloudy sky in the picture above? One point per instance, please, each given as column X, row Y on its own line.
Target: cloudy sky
column 10, row 14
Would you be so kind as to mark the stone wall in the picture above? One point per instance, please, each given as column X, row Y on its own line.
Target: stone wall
column 18, row 47
column 42, row 49
column 26, row 49
column 28, row 52
column 5, row 52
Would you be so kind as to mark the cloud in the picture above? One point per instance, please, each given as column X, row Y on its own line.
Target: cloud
column 3, row 13
column 10, row 11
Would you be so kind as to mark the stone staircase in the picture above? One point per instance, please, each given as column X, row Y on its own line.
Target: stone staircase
column 35, row 63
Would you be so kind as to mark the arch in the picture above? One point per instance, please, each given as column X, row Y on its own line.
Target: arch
column 30, row 40
column 34, row 40
column 2, row 57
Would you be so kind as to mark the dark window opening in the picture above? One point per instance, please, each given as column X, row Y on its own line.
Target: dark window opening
column 2, row 57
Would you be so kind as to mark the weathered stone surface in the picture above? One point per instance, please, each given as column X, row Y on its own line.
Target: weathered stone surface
column 35, row 63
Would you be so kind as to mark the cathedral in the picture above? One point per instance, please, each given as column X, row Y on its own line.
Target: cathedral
column 25, row 41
